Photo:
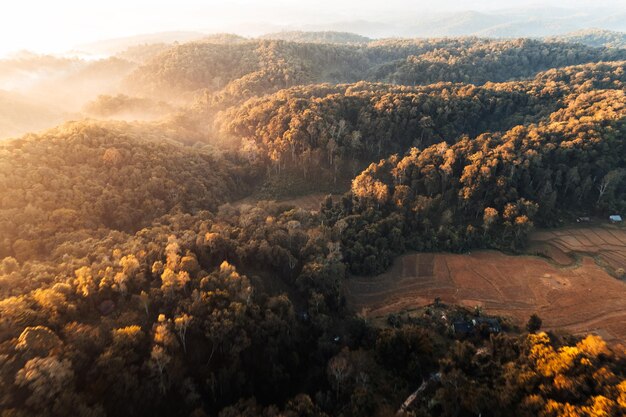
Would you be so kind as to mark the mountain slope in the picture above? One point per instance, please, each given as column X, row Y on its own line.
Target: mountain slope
column 317, row 37
column 89, row 176
column 595, row 38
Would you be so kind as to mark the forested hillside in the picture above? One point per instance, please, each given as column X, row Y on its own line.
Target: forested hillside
column 88, row 176
column 334, row 130
column 489, row 190
column 330, row 132
column 134, row 280
column 266, row 66
column 317, row 37
column 595, row 37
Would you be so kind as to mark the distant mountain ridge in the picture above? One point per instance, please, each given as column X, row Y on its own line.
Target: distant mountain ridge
column 512, row 23
column 260, row 66
column 532, row 22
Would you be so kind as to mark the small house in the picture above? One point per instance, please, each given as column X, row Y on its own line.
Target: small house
column 616, row 218
column 462, row 328
column 491, row 325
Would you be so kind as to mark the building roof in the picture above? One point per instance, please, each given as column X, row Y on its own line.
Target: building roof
column 462, row 327
column 492, row 324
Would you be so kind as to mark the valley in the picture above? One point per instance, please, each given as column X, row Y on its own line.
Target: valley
column 313, row 224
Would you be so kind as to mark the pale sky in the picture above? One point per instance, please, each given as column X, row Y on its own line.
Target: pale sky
column 58, row 25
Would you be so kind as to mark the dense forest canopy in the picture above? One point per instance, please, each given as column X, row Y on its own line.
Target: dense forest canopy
column 92, row 176
column 282, row 64
column 491, row 189
column 595, row 37
column 318, row 37
column 134, row 280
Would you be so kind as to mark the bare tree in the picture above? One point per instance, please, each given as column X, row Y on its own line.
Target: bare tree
column 160, row 359
column 145, row 301
column 339, row 371
column 181, row 323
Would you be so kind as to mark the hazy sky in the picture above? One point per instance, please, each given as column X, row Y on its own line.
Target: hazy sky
column 57, row 25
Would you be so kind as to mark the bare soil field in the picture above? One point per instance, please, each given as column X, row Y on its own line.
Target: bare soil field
column 607, row 245
column 569, row 291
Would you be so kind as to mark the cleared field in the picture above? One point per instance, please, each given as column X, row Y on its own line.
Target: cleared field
column 607, row 245
column 571, row 292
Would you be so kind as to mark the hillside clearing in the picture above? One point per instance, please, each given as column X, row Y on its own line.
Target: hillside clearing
column 579, row 297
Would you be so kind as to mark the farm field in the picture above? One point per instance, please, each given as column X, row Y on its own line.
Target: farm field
column 607, row 245
column 571, row 291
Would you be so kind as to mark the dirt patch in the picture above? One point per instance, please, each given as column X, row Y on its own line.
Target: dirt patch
column 555, row 282
column 579, row 298
column 551, row 252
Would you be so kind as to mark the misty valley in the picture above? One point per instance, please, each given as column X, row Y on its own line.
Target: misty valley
column 315, row 223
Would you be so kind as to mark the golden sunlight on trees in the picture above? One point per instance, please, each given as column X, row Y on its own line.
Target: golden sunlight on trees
column 135, row 281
